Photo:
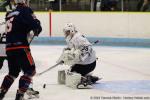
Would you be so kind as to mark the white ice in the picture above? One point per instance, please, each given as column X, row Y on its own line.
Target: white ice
column 125, row 72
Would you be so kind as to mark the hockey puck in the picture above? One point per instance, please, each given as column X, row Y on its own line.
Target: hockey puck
column 44, row 86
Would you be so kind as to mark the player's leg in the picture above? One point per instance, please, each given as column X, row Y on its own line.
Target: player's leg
column 28, row 68
column 31, row 92
column 14, row 70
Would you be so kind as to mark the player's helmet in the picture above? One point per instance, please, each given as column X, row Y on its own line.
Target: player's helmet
column 20, row 1
column 69, row 29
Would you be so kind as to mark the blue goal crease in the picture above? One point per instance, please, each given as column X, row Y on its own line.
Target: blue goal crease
column 125, row 86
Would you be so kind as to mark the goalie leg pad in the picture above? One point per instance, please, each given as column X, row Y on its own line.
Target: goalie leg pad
column 61, row 76
column 73, row 79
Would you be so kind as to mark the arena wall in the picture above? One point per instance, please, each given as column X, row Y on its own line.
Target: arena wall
column 113, row 28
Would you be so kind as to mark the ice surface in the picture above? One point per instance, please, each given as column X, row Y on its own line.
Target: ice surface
column 125, row 72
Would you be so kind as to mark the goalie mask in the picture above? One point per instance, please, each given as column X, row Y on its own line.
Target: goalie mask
column 69, row 30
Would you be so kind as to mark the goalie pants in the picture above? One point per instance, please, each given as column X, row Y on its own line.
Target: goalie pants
column 83, row 69
column 2, row 61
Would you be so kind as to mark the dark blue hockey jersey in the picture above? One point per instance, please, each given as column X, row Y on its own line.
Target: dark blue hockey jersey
column 19, row 24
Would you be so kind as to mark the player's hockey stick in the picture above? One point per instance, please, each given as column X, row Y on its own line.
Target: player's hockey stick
column 38, row 74
column 31, row 39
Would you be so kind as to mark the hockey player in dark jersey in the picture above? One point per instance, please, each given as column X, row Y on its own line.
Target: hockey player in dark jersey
column 19, row 23
column 30, row 92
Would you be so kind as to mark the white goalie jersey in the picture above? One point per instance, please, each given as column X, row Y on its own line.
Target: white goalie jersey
column 82, row 49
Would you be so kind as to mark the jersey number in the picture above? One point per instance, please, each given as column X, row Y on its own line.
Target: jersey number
column 9, row 24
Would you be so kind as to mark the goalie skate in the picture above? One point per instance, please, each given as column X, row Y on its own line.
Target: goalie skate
column 32, row 93
column 85, row 83
column 84, row 86
column 94, row 79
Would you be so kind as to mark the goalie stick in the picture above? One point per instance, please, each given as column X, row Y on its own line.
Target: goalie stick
column 61, row 62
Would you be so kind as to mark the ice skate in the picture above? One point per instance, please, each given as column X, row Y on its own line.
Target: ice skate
column 94, row 79
column 32, row 93
column 85, row 83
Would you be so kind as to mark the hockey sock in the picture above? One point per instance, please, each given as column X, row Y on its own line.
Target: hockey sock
column 24, row 83
column 7, row 82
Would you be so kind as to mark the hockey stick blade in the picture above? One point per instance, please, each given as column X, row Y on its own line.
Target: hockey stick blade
column 39, row 74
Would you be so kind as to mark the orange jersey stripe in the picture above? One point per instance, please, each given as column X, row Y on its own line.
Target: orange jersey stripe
column 19, row 47
column 29, row 57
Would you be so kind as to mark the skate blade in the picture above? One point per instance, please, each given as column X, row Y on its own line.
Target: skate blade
column 33, row 97
column 84, row 87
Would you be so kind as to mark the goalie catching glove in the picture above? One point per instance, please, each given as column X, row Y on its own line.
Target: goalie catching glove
column 70, row 56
